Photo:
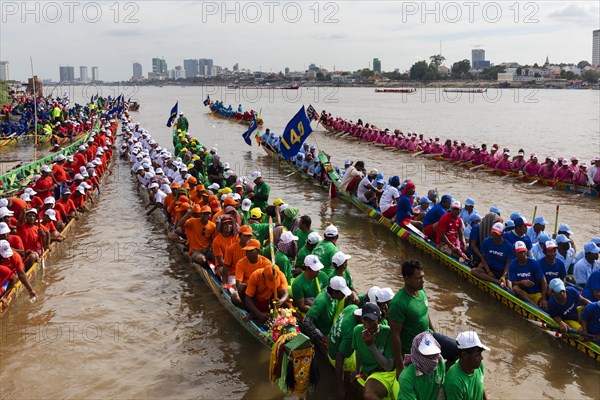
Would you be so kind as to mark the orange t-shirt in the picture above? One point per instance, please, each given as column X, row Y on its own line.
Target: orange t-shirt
column 233, row 254
column 59, row 173
column 243, row 268
column 14, row 262
column 200, row 237
column 221, row 243
column 260, row 289
column 169, row 199
column 30, row 236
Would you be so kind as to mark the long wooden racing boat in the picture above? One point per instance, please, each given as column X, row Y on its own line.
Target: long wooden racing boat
column 54, row 249
column 416, row 239
column 235, row 118
column 517, row 176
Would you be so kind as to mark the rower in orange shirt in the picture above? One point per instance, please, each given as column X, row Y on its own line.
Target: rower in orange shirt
column 200, row 232
column 234, row 253
column 245, row 267
column 226, row 236
column 260, row 291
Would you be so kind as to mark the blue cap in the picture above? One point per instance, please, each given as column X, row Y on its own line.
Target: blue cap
column 591, row 248
column 519, row 221
column 379, row 175
column 565, row 228
column 543, row 238
column 446, row 198
column 557, row 285
column 595, row 240
column 424, row 200
column 474, row 217
column 540, row 220
column 380, row 181
column 312, row 147
column 509, row 224
column 347, row 162
column 469, row 202
column 395, row 180
column 515, row 215
column 562, row 239
column 495, row 209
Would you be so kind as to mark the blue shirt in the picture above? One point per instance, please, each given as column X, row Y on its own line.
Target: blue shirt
column 530, row 271
column 513, row 238
column 403, row 208
column 593, row 283
column 552, row 271
column 591, row 314
column 434, row 215
column 533, row 236
column 494, row 255
column 567, row 310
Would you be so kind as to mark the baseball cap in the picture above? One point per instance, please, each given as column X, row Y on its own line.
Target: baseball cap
column 395, row 180
column 372, row 294
column 4, row 211
column 520, row 246
column 469, row 202
column 229, row 201
column 562, row 239
column 331, row 231
column 595, row 240
column 456, row 204
column 339, row 283
column 339, row 259
column 4, row 229
column 540, row 220
column 45, row 168
column 550, row 244
column 424, row 200
column 557, row 285
column 25, row 197
column 246, row 230
column 278, row 202
column 153, row 185
column 5, row 250
column 428, row 345
column 498, row 228
column 474, row 217
column 384, row 295
column 214, row 186
column 468, row 340
column 255, row 213
column 311, row 261
column 313, row 238
column 509, row 224
column 446, row 198
column 495, row 209
column 543, row 238
column 591, row 247
column 565, row 228
column 370, row 310
column 287, row 237
column 3, row 203
column 255, row 175
column 519, row 221
column 252, row 244
column 246, row 204
column 515, row 215
column 51, row 214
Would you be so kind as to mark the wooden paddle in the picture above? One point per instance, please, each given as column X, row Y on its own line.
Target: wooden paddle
column 416, row 154
column 416, row 231
column 556, row 220
column 534, row 182
column 476, row 167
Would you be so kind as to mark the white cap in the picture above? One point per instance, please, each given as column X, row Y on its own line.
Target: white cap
column 287, row 237
column 311, row 261
column 159, row 171
column 428, row 345
column 3, row 203
column 25, row 197
column 213, row 150
column 60, row 157
column 30, row 191
column 226, row 166
column 372, row 294
column 153, row 185
column 86, row 185
column 4, row 229
column 339, row 283
column 314, row 238
column 468, row 340
column 80, row 189
column 5, row 250
column 339, row 259
column 498, row 227
column 331, row 231
column 455, row 204
column 255, row 175
column 283, row 207
column 80, row 177
column 4, row 211
column 51, row 214
column 520, row 246
column 214, row 186
column 50, row 200
column 384, row 295
column 237, row 197
column 246, row 204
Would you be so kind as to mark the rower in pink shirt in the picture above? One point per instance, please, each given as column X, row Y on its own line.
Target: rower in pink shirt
column 412, row 144
column 447, row 149
column 504, row 164
column 461, row 150
column 477, row 159
column 563, row 174
column 437, row 148
column 518, row 163
column 580, row 177
column 574, row 167
column 547, row 170
column 532, row 167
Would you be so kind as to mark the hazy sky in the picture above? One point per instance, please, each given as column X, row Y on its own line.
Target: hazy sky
column 272, row 35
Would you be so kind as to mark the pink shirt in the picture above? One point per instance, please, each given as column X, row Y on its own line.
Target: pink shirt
column 518, row 165
column 546, row 173
column 531, row 168
column 503, row 165
column 580, row 178
column 563, row 174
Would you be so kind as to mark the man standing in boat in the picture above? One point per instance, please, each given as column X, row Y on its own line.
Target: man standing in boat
column 260, row 194
column 182, row 123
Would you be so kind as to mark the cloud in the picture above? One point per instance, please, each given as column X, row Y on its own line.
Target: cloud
column 333, row 36
column 577, row 14
column 125, row 32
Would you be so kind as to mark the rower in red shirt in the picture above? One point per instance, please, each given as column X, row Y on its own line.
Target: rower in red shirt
column 44, row 186
column 11, row 266
column 450, row 238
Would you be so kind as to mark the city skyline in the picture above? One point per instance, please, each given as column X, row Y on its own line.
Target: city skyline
column 398, row 34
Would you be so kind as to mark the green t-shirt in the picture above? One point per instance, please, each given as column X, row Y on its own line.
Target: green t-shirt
column 323, row 311
column 412, row 313
column 383, row 342
column 308, row 290
column 260, row 231
column 421, row 387
column 261, row 196
column 284, row 264
column 302, row 253
column 347, row 278
column 460, row 386
column 325, row 251
column 340, row 337
column 302, row 237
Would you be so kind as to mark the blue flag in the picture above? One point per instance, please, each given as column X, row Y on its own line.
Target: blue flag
column 296, row 132
column 173, row 115
column 252, row 128
column 207, row 101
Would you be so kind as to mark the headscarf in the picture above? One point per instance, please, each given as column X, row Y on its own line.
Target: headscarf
column 227, row 217
column 485, row 227
column 289, row 249
column 409, row 185
column 421, row 362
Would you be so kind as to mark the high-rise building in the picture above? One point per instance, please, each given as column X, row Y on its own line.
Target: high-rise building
column 66, row 74
column 206, row 66
column 137, row 70
column 191, row 68
column 83, row 74
column 596, row 48
column 179, row 72
column 159, row 65
column 376, row 65
column 4, row 71
column 287, row 71
column 236, row 67
column 95, row 75
column 478, row 60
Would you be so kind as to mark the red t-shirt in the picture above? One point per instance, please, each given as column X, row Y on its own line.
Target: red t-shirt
column 450, row 226
column 59, row 173
column 15, row 242
column 14, row 262
column 30, row 236
column 18, row 206
column 43, row 184
column 67, row 206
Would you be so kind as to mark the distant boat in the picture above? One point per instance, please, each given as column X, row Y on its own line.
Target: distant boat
column 291, row 87
column 465, row 90
column 395, row 90
column 230, row 86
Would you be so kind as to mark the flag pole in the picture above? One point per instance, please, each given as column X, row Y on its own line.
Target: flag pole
column 34, row 110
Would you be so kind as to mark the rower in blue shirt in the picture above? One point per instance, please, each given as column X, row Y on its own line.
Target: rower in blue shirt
column 467, row 211
column 496, row 253
column 519, row 233
column 539, row 224
column 432, row 217
column 527, row 278
column 551, row 266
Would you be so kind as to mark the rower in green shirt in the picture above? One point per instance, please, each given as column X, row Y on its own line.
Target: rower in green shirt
column 374, row 355
column 182, row 123
column 464, row 380
column 327, row 248
column 311, row 242
column 307, row 286
column 339, row 350
column 260, row 193
column 303, row 230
